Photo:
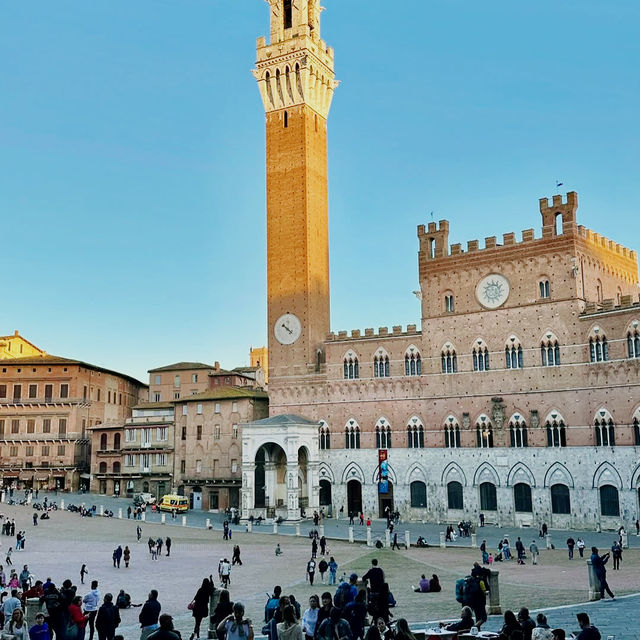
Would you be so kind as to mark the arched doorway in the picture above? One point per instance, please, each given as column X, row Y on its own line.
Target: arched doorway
column 354, row 496
column 385, row 500
column 325, row 493
column 270, row 477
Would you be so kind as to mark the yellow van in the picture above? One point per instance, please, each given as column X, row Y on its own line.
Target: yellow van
column 173, row 502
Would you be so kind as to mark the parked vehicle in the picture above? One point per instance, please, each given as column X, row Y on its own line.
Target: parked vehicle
column 172, row 502
column 143, row 498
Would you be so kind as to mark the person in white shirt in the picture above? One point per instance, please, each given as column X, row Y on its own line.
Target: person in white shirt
column 310, row 618
column 90, row 602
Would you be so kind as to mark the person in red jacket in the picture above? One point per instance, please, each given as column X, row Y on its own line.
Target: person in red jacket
column 76, row 616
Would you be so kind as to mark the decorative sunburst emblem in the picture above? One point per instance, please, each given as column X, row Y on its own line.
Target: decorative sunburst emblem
column 493, row 291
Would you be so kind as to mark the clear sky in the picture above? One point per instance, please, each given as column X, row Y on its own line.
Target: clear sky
column 132, row 157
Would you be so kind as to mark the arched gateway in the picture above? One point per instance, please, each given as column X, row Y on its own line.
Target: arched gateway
column 280, row 463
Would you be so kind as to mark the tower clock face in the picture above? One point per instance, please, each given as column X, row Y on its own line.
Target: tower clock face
column 492, row 291
column 287, row 328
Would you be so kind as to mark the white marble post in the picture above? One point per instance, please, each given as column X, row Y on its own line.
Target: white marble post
column 249, row 527
column 101, row 509
column 184, row 521
column 548, row 540
column 62, row 505
column 350, row 534
column 443, row 542
column 407, row 539
column 207, row 523
column 163, row 518
column 474, row 540
column 321, row 530
column 369, row 543
column 387, row 538
column 297, row 528
column 120, row 513
column 625, row 540
column 275, row 527
column 143, row 516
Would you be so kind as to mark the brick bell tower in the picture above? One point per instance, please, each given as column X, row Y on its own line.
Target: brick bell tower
column 296, row 81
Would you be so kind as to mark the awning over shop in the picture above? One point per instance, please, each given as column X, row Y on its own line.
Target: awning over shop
column 10, row 474
column 86, row 476
column 40, row 477
column 59, row 474
column 26, row 475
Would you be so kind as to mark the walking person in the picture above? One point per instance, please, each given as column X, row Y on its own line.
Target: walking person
column 126, row 554
column 616, row 554
column 167, row 544
column 310, row 618
column 77, row 618
column 139, row 532
column 236, row 555
column 108, row 619
column 323, row 565
column 571, row 543
column 200, row 605
column 311, row 570
column 580, row 545
column 323, row 545
column 395, row 544
column 533, row 549
column 90, row 602
column 159, row 543
column 333, row 570
column 598, row 562
column 83, row 573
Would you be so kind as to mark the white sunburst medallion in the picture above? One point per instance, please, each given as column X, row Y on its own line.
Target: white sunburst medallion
column 492, row 291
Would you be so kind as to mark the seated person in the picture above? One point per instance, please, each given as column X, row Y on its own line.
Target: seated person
column 423, row 585
column 464, row 624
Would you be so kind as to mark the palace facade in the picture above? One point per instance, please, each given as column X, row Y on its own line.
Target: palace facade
column 517, row 396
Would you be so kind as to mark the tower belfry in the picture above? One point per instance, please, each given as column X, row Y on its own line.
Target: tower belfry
column 295, row 76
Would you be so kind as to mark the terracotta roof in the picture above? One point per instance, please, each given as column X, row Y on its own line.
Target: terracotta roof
column 154, row 405
column 58, row 360
column 182, row 366
column 285, row 419
column 224, row 393
column 17, row 335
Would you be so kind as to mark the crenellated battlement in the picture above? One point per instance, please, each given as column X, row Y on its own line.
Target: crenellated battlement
column 434, row 239
column 611, row 246
column 609, row 304
column 383, row 332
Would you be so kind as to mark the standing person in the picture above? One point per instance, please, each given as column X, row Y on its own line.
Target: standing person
column 533, row 549
column 351, row 516
column 108, row 619
column 149, row 615
column 570, row 544
column 310, row 618
column 52, row 601
column 167, row 544
column 225, row 573
column 223, row 609
column 333, row 570
column 236, row 555
column 637, row 527
column 580, row 545
column 616, row 554
column 126, row 554
column 361, row 518
column 159, row 543
column 35, row 519
column 289, row 628
column 83, row 573
column 334, row 626
column 10, row 604
column 90, row 602
column 40, row 630
column 166, row 630
column 24, row 578
column 544, row 529
column 314, row 547
column 200, row 603
column 323, row 545
column 235, row 627
column 311, row 570
column 77, row 618
column 139, row 532
column 482, row 519
column 598, row 562
column 375, row 577
column 129, row 512
column 16, row 627
column 323, row 565
column 520, row 550
column 355, row 613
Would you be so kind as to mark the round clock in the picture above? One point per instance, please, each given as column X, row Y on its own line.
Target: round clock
column 492, row 291
column 287, row 328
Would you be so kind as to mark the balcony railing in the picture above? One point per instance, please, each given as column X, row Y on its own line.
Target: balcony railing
column 43, row 400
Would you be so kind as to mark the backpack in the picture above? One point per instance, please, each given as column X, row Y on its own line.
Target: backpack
column 471, row 589
column 341, row 598
column 460, row 590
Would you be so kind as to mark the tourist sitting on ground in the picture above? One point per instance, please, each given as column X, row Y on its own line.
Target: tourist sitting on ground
column 427, row 585
column 402, row 630
column 421, row 542
column 527, row 624
column 542, row 630
column 378, row 630
column 278, row 550
column 587, row 630
column 464, row 624
column 510, row 625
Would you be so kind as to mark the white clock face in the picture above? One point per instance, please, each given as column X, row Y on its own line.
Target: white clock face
column 492, row 291
column 287, row 328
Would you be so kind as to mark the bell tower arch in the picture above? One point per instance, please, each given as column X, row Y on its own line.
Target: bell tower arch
column 295, row 76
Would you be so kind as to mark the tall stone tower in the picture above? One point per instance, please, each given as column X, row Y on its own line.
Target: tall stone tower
column 296, row 81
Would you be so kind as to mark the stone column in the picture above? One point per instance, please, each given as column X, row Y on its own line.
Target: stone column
column 297, row 528
column 293, row 493
column 369, row 543
column 163, row 518
column 270, row 482
column 321, row 530
column 33, row 607
column 548, row 540
column 474, row 540
column 249, row 526
column 443, row 542
column 594, row 582
column 275, row 527
column 387, row 538
column 494, row 594
column 350, row 534
column 407, row 539
column 625, row 539
column 313, row 485
column 247, row 495
column 184, row 521
column 101, row 509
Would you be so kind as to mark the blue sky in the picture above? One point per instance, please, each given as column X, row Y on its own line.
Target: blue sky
column 132, row 157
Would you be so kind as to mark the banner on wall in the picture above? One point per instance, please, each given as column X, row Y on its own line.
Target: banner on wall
column 383, row 471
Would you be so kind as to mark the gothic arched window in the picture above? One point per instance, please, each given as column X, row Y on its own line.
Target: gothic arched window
column 513, row 354
column 449, row 359
column 352, row 435
column 605, row 435
column 381, row 364
column 480, row 356
column 415, row 434
column 550, row 351
column 633, row 341
column 324, row 435
column 412, row 362
column 350, row 366
column 484, row 433
column 518, row 431
column 556, row 430
column 383, row 434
